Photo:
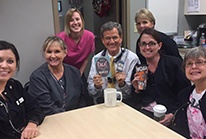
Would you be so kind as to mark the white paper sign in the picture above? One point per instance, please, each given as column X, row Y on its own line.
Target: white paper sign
column 193, row 6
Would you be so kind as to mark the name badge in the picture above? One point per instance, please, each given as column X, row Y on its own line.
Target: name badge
column 120, row 66
column 20, row 100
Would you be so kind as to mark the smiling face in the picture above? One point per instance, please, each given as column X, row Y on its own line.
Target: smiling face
column 142, row 23
column 195, row 70
column 54, row 54
column 7, row 65
column 149, row 47
column 112, row 41
column 75, row 23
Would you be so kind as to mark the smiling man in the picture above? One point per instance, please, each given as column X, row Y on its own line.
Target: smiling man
column 124, row 61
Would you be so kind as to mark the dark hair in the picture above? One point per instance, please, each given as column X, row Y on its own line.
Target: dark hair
column 109, row 26
column 151, row 32
column 8, row 46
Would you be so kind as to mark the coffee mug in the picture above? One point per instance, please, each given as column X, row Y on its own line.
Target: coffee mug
column 110, row 97
column 159, row 112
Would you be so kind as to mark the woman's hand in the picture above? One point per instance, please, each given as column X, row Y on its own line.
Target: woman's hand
column 30, row 131
column 135, row 82
column 97, row 79
column 167, row 120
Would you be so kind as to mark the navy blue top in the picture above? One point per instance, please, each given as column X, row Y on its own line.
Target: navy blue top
column 163, row 85
column 20, row 108
column 53, row 95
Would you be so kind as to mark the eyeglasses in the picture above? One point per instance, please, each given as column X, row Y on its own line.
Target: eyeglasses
column 198, row 63
column 150, row 44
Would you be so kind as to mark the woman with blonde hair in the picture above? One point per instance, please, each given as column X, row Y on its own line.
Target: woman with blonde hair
column 80, row 44
column 145, row 19
column 55, row 85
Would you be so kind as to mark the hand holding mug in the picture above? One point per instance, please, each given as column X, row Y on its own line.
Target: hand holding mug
column 167, row 119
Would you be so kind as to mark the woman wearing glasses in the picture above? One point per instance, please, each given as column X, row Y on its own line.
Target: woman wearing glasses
column 191, row 116
column 145, row 19
column 165, row 78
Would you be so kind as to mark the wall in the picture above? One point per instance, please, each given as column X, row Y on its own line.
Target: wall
column 184, row 22
column 134, row 6
column 26, row 24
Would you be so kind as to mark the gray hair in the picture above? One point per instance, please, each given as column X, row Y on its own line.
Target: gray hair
column 109, row 26
column 194, row 53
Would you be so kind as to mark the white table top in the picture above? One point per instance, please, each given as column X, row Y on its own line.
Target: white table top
column 101, row 122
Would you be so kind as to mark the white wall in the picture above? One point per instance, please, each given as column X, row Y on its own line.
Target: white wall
column 135, row 5
column 26, row 24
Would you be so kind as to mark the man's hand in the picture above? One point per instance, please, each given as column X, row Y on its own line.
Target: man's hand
column 97, row 79
column 120, row 77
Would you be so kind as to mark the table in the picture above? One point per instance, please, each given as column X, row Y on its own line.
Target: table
column 101, row 122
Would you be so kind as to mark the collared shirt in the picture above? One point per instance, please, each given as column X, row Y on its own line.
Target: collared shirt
column 129, row 58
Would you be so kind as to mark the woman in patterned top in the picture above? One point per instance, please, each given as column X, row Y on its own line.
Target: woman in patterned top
column 191, row 116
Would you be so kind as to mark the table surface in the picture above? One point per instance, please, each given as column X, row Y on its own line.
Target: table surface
column 101, row 122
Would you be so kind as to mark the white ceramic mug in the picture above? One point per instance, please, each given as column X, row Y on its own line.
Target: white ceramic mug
column 110, row 97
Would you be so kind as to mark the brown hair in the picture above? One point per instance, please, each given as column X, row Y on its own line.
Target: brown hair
column 68, row 17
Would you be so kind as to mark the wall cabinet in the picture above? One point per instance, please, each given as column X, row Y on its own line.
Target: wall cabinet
column 202, row 9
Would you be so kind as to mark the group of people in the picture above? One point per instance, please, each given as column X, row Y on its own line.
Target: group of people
column 60, row 85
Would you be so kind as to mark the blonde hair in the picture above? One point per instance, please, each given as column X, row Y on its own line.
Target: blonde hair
column 52, row 39
column 68, row 17
column 145, row 14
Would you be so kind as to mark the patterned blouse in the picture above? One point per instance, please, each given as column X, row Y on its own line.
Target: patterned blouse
column 196, row 122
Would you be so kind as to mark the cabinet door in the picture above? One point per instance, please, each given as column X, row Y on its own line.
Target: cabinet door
column 167, row 19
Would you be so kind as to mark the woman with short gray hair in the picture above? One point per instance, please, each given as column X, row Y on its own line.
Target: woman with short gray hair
column 191, row 116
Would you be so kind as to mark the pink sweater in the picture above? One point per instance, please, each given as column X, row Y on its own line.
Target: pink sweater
column 78, row 53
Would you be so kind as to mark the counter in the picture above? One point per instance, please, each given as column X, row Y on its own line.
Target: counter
column 183, row 51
